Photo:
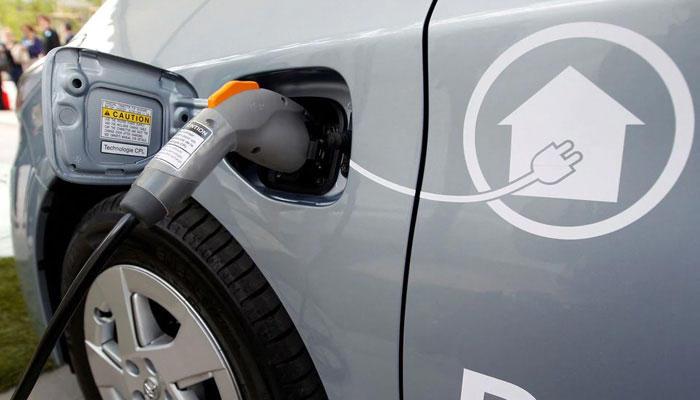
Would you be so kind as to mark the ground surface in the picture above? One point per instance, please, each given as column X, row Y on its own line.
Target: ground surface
column 17, row 339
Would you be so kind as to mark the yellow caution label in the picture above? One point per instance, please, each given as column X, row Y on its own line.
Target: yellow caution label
column 126, row 116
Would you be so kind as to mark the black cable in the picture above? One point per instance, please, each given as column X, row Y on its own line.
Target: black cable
column 70, row 302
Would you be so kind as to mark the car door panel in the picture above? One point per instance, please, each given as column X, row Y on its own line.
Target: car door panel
column 529, row 295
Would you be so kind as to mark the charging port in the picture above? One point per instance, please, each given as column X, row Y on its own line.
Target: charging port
column 326, row 98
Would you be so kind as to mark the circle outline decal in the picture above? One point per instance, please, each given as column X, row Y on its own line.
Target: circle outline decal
column 683, row 111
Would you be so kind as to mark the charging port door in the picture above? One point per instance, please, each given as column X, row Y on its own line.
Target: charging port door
column 105, row 116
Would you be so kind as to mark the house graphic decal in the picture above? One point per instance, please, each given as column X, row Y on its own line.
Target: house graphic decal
column 571, row 107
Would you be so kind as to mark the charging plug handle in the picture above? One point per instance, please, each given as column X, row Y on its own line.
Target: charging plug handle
column 260, row 125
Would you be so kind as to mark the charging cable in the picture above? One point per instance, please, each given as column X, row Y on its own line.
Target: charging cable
column 549, row 166
column 70, row 302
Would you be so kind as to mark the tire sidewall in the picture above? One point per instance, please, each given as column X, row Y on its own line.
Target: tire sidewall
column 164, row 254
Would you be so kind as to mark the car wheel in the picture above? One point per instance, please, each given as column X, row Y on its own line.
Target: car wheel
column 181, row 312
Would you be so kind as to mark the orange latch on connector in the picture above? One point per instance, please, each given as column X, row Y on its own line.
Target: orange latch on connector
column 230, row 89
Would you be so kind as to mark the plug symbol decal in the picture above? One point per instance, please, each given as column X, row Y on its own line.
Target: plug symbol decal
column 571, row 108
column 555, row 163
column 549, row 166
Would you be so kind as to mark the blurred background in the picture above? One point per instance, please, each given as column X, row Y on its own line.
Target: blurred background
column 28, row 30
column 16, row 13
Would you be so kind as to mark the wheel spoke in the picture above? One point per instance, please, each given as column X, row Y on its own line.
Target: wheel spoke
column 105, row 372
column 118, row 297
column 199, row 357
column 147, row 329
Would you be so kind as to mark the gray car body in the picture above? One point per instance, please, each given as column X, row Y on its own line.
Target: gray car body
column 610, row 316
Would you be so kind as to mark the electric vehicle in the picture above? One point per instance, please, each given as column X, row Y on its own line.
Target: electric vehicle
column 499, row 201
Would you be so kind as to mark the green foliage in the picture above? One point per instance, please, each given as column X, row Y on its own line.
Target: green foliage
column 15, row 13
column 17, row 337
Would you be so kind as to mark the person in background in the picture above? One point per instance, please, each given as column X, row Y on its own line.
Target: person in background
column 33, row 44
column 51, row 40
column 14, row 53
column 69, row 33
column 4, row 104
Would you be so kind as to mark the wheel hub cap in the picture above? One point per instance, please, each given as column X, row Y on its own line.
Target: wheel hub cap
column 144, row 341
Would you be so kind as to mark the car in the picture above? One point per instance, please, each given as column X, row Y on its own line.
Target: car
column 500, row 202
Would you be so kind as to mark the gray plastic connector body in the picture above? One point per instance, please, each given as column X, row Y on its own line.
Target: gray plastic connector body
column 260, row 125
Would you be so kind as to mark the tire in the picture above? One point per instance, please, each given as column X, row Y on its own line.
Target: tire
column 196, row 256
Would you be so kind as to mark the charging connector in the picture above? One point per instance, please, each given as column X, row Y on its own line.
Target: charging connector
column 258, row 124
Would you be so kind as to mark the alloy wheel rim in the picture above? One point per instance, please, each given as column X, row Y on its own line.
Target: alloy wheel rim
column 144, row 341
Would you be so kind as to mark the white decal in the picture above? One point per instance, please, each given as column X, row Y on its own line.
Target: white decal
column 571, row 107
column 475, row 386
column 568, row 138
column 548, row 166
column 186, row 142
column 124, row 149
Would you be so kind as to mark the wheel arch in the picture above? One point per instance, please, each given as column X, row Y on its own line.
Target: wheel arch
column 61, row 210
column 194, row 225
